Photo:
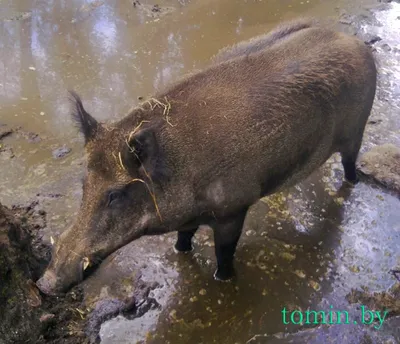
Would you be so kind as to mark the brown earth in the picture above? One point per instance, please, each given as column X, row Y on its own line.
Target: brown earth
column 31, row 317
column 27, row 316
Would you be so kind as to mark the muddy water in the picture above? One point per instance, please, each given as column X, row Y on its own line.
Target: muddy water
column 305, row 248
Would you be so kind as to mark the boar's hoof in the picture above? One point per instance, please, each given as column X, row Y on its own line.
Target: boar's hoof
column 178, row 249
column 352, row 181
column 184, row 241
column 350, row 171
column 224, row 276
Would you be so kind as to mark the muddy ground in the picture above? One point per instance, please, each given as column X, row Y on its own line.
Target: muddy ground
column 316, row 245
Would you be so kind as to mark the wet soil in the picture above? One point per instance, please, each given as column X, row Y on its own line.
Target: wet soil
column 27, row 317
column 307, row 248
column 31, row 317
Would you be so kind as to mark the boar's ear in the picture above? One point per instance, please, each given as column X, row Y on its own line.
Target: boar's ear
column 143, row 152
column 86, row 123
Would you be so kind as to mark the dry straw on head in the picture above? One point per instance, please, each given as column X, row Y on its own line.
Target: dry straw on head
column 166, row 107
column 133, row 132
column 118, row 159
column 153, row 196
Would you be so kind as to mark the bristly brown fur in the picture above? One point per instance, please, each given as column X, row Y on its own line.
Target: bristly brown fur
column 262, row 117
column 267, row 40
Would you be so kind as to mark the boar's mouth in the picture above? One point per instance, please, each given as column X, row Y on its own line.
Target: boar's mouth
column 57, row 285
column 56, row 282
column 88, row 267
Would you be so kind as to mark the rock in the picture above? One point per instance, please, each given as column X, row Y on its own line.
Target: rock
column 4, row 132
column 346, row 19
column 104, row 310
column 61, row 152
column 32, row 137
column 375, row 121
column 153, row 11
column 134, row 306
column 369, row 39
column 386, row 47
column 156, row 8
column 382, row 163
column 8, row 152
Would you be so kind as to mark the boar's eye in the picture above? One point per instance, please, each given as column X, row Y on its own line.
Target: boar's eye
column 114, row 196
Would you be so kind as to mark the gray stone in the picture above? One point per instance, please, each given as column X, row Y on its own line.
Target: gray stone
column 61, row 152
column 382, row 163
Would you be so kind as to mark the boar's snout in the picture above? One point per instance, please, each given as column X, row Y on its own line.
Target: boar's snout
column 62, row 273
column 48, row 283
column 54, row 283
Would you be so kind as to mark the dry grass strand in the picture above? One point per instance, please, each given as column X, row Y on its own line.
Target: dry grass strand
column 120, row 161
column 116, row 159
column 133, row 132
column 165, row 106
column 151, row 194
column 109, row 128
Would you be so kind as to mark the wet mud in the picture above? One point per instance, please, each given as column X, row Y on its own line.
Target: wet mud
column 26, row 316
column 319, row 244
column 29, row 316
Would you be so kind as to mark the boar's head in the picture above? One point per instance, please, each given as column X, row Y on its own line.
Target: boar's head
column 124, row 168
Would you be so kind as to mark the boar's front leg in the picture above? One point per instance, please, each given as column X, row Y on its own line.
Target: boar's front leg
column 184, row 242
column 227, row 232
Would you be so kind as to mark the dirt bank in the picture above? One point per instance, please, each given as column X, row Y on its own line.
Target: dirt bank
column 29, row 316
column 26, row 316
column 382, row 164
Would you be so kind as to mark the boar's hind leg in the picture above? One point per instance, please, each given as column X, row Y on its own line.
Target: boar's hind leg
column 349, row 166
column 349, row 158
column 226, row 236
column 184, row 242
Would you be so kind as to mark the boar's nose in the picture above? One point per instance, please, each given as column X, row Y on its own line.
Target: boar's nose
column 48, row 283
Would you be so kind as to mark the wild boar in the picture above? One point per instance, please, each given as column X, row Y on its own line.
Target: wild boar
column 262, row 117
